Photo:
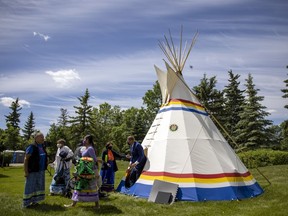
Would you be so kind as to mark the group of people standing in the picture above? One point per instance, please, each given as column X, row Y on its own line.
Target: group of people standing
column 36, row 162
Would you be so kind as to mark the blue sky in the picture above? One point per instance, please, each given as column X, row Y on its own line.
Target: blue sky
column 51, row 51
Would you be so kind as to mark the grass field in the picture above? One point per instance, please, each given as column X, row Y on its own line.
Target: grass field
column 274, row 201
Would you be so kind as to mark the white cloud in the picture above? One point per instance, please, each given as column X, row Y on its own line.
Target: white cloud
column 45, row 37
column 7, row 101
column 272, row 111
column 114, row 54
column 23, row 103
column 64, row 78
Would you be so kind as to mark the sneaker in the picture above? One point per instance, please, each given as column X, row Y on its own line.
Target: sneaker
column 32, row 205
column 69, row 205
column 102, row 195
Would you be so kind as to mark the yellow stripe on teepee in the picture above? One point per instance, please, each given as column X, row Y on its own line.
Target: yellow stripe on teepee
column 186, row 104
column 197, row 180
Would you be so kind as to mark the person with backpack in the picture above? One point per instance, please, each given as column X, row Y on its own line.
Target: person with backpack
column 86, row 189
column 35, row 164
column 62, row 166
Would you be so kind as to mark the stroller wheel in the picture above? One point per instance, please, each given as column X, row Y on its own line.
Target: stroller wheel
column 68, row 194
column 70, row 187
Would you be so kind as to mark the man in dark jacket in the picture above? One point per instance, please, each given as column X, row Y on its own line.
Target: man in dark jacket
column 137, row 161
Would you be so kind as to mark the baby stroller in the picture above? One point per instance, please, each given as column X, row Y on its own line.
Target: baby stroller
column 60, row 177
column 71, row 186
column 81, row 177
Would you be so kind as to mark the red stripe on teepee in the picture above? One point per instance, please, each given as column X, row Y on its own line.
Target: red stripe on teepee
column 185, row 101
column 195, row 175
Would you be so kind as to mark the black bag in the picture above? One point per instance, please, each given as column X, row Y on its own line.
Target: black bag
column 59, row 180
column 59, row 177
column 63, row 154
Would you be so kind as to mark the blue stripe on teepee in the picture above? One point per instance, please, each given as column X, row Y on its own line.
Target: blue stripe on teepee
column 184, row 109
column 198, row 194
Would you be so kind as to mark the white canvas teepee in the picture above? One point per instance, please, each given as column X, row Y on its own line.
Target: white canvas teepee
column 186, row 148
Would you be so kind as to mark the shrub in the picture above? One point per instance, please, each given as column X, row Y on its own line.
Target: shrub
column 263, row 157
column 6, row 160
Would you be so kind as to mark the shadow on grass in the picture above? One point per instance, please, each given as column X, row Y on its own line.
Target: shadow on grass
column 104, row 209
column 3, row 176
column 48, row 207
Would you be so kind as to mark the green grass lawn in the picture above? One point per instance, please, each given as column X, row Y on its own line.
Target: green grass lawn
column 274, row 201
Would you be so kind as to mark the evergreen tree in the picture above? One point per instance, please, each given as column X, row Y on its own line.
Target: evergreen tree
column 284, row 133
column 60, row 131
column 13, row 119
column 234, row 100
column 63, row 119
column 212, row 99
column 62, row 125
column 284, row 125
column 251, row 129
column 285, row 91
column 275, row 136
column 82, row 123
column 29, row 127
column 12, row 138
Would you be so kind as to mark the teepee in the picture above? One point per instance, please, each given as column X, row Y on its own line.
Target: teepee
column 184, row 146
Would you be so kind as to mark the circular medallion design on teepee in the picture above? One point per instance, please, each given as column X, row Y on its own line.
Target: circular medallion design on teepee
column 173, row 127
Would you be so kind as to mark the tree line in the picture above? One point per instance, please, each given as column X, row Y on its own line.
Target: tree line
column 237, row 113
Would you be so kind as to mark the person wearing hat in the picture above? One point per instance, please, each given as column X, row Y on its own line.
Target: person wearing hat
column 109, row 167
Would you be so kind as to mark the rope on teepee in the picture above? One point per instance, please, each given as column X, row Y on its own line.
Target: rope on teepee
column 222, row 127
